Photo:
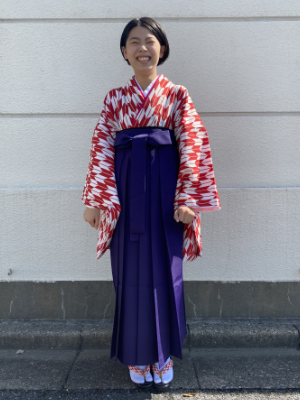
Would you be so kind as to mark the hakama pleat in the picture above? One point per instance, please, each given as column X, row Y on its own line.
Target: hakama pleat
column 146, row 250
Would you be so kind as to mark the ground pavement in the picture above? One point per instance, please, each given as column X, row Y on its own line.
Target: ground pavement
column 226, row 360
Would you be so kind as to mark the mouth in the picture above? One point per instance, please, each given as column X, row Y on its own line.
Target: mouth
column 143, row 58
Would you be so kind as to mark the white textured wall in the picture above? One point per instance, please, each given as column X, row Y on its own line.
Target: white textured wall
column 240, row 61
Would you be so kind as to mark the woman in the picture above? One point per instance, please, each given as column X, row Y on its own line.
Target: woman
column 151, row 174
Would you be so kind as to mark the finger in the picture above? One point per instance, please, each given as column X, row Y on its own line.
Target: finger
column 97, row 223
column 181, row 215
column 176, row 217
column 189, row 219
column 185, row 218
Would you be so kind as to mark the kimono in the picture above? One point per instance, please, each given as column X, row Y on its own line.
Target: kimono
column 150, row 155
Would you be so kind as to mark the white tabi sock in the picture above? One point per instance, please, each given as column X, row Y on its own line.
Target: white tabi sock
column 137, row 378
column 166, row 377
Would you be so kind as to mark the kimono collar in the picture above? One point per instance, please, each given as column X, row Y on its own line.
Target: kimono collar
column 136, row 97
column 135, row 87
column 148, row 88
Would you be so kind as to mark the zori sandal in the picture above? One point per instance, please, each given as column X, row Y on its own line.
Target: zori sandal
column 163, row 377
column 142, row 378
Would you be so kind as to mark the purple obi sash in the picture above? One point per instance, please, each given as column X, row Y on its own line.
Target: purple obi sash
column 139, row 138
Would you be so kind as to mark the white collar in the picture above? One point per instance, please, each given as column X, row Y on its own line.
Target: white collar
column 146, row 91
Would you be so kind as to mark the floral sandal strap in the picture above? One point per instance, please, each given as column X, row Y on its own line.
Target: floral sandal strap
column 166, row 368
column 140, row 371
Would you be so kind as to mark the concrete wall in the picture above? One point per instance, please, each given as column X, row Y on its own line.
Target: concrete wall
column 240, row 61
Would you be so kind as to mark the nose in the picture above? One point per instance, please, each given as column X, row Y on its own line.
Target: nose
column 143, row 47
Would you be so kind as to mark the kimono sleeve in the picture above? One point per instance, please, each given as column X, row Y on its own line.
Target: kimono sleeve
column 196, row 186
column 100, row 189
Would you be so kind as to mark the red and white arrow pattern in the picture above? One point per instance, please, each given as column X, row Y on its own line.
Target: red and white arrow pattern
column 168, row 106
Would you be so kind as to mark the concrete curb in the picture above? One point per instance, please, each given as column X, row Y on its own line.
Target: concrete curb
column 96, row 334
column 244, row 333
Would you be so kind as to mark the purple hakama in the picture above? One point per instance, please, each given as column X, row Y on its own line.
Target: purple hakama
column 146, row 249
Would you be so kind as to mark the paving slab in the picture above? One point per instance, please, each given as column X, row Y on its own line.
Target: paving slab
column 93, row 369
column 138, row 395
column 248, row 368
column 91, row 374
column 230, row 333
column 184, row 373
column 35, row 369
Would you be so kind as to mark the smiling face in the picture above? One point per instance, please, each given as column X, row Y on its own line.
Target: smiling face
column 143, row 51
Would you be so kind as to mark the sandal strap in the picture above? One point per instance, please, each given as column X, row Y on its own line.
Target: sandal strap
column 166, row 368
column 139, row 370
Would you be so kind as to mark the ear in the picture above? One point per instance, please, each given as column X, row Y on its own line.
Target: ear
column 162, row 51
column 124, row 52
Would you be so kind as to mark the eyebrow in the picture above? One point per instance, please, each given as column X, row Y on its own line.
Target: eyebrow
column 136, row 38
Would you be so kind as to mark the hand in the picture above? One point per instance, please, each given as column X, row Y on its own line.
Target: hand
column 92, row 216
column 184, row 214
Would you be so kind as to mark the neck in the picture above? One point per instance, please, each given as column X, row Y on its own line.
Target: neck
column 145, row 80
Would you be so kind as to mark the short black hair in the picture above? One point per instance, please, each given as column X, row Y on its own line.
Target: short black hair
column 154, row 27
